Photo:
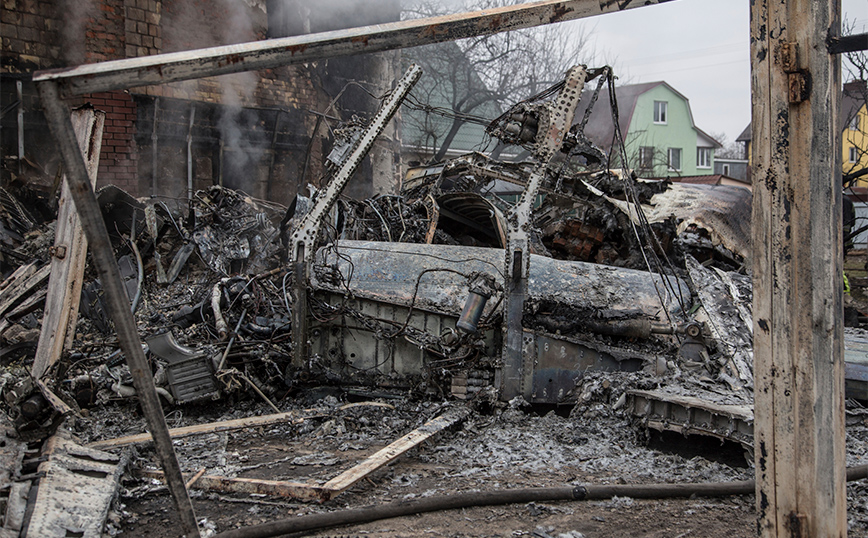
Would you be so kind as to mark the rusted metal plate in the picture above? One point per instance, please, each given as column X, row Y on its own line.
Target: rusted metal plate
column 559, row 364
column 75, row 491
column 688, row 415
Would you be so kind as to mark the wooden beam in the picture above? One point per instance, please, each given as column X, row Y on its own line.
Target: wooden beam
column 390, row 453
column 116, row 300
column 22, row 285
column 797, row 269
column 270, row 53
column 294, row 417
column 275, row 488
column 69, row 253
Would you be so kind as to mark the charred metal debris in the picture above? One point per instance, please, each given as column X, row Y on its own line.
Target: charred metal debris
column 481, row 281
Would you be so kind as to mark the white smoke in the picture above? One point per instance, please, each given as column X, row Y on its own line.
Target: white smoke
column 76, row 14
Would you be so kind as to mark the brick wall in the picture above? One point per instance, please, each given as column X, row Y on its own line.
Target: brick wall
column 30, row 35
column 118, row 159
column 41, row 34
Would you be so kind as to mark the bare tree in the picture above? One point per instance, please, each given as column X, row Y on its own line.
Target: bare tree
column 479, row 76
column 729, row 149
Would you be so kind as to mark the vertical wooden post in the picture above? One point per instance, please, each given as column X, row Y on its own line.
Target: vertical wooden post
column 69, row 254
column 797, row 270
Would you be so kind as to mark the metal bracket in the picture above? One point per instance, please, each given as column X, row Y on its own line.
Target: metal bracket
column 798, row 80
column 517, row 370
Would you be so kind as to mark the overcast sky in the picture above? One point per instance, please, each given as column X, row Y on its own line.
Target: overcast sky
column 700, row 47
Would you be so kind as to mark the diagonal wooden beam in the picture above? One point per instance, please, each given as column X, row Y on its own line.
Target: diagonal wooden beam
column 268, row 54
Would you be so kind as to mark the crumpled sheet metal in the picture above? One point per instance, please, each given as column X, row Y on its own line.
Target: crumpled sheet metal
column 724, row 211
column 388, row 272
column 76, row 490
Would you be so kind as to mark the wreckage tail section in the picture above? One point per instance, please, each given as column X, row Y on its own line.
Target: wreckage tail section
column 304, row 239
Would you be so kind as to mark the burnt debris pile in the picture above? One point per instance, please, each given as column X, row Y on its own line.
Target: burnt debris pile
column 483, row 286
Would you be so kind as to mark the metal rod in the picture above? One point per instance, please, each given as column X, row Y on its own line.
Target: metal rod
column 20, row 92
column 190, row 153
column 303, row 239
column 154, row 149
column 117, row 302
column 271, row 53
column 231, row 340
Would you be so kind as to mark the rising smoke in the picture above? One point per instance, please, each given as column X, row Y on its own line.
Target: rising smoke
column 190, row 24
column 76, row 15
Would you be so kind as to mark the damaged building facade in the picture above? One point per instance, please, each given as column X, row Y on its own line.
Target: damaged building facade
column 257, row 131
column 593, row 289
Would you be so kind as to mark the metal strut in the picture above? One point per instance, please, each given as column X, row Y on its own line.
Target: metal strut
column 303, row 240
column 516, row 375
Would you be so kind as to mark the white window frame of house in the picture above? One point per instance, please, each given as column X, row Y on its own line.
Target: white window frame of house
column 703, row 157
column 646, row 157
column 661, row 112
column 854, row 155
column 854, row 123
column 726, row 169
column 669, row 159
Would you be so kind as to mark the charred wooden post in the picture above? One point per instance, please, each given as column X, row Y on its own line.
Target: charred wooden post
column 797, row 270
column 69, row 253
column 117, row 302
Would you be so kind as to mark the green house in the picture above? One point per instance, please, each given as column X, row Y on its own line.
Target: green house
column 657, row 127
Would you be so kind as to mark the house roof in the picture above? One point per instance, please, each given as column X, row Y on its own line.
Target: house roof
column 601, row 129
column 852, row 99
column 745, row 135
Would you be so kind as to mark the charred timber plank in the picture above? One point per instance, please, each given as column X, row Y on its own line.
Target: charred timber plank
column 276, row 488
column 797, row 270
column 28, row 306
column 173, row 67
column 21, row 287
column 392, row 452
column 76, row 489
column 294, row 417
column 70, row 251
column 19, row 274
column 52, row 398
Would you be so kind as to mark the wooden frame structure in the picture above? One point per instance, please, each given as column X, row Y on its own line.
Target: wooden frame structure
column 797, row 213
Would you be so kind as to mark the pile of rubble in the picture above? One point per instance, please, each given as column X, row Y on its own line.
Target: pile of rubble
column 616, row 293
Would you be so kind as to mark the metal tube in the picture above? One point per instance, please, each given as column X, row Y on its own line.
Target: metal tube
column 154, row 150
column 117, row 302
column 271, row 53
column 19, row 91
column 190, row 153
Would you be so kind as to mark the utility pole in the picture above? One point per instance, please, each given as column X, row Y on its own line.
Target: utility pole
column 797, row 270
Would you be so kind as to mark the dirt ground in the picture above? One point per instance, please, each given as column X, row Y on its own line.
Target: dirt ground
column 501, row 447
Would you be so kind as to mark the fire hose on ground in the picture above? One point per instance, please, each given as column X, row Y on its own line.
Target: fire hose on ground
column 509, row 496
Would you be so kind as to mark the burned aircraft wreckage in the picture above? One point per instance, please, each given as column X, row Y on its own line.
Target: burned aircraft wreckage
column 437, row 291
